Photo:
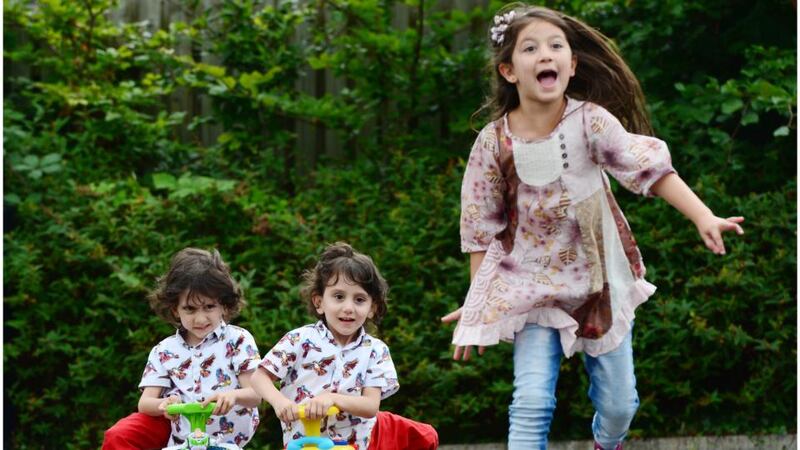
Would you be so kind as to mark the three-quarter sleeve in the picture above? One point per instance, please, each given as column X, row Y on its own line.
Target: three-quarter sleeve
column 482, row 193
column 636, row 161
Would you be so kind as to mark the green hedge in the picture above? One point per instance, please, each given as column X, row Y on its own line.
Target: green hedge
column 100, row 191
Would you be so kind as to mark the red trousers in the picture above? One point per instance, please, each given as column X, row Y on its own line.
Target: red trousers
column 138, row 432
column 391, row 432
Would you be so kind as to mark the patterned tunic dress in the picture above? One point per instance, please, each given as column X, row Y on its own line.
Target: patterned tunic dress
column 559, row 252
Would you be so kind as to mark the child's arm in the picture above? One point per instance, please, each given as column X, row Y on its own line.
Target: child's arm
column 475, row 260
column 675, row 191
column 365, row 405
column 152, row 404
column 263, row 384
column 245, row 396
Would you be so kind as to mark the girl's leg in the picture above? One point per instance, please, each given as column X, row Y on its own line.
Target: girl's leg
column 537, row 359
column 138, row 432
column 612, row 389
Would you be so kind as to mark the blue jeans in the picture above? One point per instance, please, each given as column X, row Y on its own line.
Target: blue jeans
column 537, row 359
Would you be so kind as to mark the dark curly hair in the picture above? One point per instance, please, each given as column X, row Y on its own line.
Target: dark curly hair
column 199, row 273
column 340, row 259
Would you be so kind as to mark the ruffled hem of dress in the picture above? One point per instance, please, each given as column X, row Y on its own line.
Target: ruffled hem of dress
column 556, row 318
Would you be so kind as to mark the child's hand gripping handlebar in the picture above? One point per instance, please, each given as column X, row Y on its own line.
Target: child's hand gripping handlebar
column 313, row 441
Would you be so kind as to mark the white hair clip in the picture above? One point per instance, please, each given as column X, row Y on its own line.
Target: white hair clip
column 501, row 22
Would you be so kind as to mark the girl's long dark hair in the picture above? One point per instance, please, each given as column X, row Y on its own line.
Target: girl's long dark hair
column 601, row 76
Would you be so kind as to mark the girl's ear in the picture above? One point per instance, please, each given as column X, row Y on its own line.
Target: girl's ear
column 317, row 301
column 372, row 311
column 507, row 72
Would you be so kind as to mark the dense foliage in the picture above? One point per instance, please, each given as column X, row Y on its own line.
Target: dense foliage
column 104, row 181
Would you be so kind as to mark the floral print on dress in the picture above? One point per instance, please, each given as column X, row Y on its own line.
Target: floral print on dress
column 194, row 373
column 554, row 251
column 308, row 361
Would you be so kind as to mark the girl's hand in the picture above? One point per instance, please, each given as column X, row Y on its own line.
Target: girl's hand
column 225, row 402
column 711, row 228
column 461, row 352
column 286, row 410
column 318, row 407
column 168, row 401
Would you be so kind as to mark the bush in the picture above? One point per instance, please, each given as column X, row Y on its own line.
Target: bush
column 103, row 183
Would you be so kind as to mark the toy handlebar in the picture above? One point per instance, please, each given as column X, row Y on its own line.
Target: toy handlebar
column 190, row 408
column 194, row 412
column 313, row 441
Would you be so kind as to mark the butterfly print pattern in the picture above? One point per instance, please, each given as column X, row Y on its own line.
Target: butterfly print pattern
column 195, row 373
column 320, row 364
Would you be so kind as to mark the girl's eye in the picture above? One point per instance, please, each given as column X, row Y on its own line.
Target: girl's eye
column 338, row 296
column 558, row 45
column 529, row 48
column 360, row 300
column 211, row 307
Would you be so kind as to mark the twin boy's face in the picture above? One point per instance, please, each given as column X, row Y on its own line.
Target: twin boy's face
column 199, row 315
column 344, row 304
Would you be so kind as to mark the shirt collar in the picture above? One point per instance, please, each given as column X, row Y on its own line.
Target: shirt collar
column 323, row 329
column 217, row 334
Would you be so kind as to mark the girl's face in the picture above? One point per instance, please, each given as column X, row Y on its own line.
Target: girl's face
column 346, row 306
column 199, row 315
column 542, row 63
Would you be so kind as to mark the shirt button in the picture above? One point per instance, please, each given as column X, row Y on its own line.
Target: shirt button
column 566, row 165
column 564, row 155
column 561, row 136
column 563, row 146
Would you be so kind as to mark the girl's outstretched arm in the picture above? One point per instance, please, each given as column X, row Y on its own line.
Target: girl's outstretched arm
column 675, row 191
column 460, row 352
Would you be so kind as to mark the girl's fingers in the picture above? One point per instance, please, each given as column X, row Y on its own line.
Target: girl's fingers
column 453, row 316
column 709, row 242
column 716, row 237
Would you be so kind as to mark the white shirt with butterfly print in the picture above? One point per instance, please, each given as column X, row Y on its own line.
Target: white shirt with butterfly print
column 309, row 361
column 194, row 373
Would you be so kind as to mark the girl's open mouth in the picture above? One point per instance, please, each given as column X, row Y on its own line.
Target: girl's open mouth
column 547, row 78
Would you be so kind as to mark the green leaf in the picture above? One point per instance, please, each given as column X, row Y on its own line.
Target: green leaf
column 781, row 131
column 12, row 199
column 749, row 118
column 732, row 105
column 164, row 181
column 50, row 158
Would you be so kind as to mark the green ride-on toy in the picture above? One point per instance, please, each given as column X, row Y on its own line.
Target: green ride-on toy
column 198, row 439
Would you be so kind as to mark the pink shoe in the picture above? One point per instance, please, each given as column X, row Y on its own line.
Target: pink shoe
column 598, row 447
